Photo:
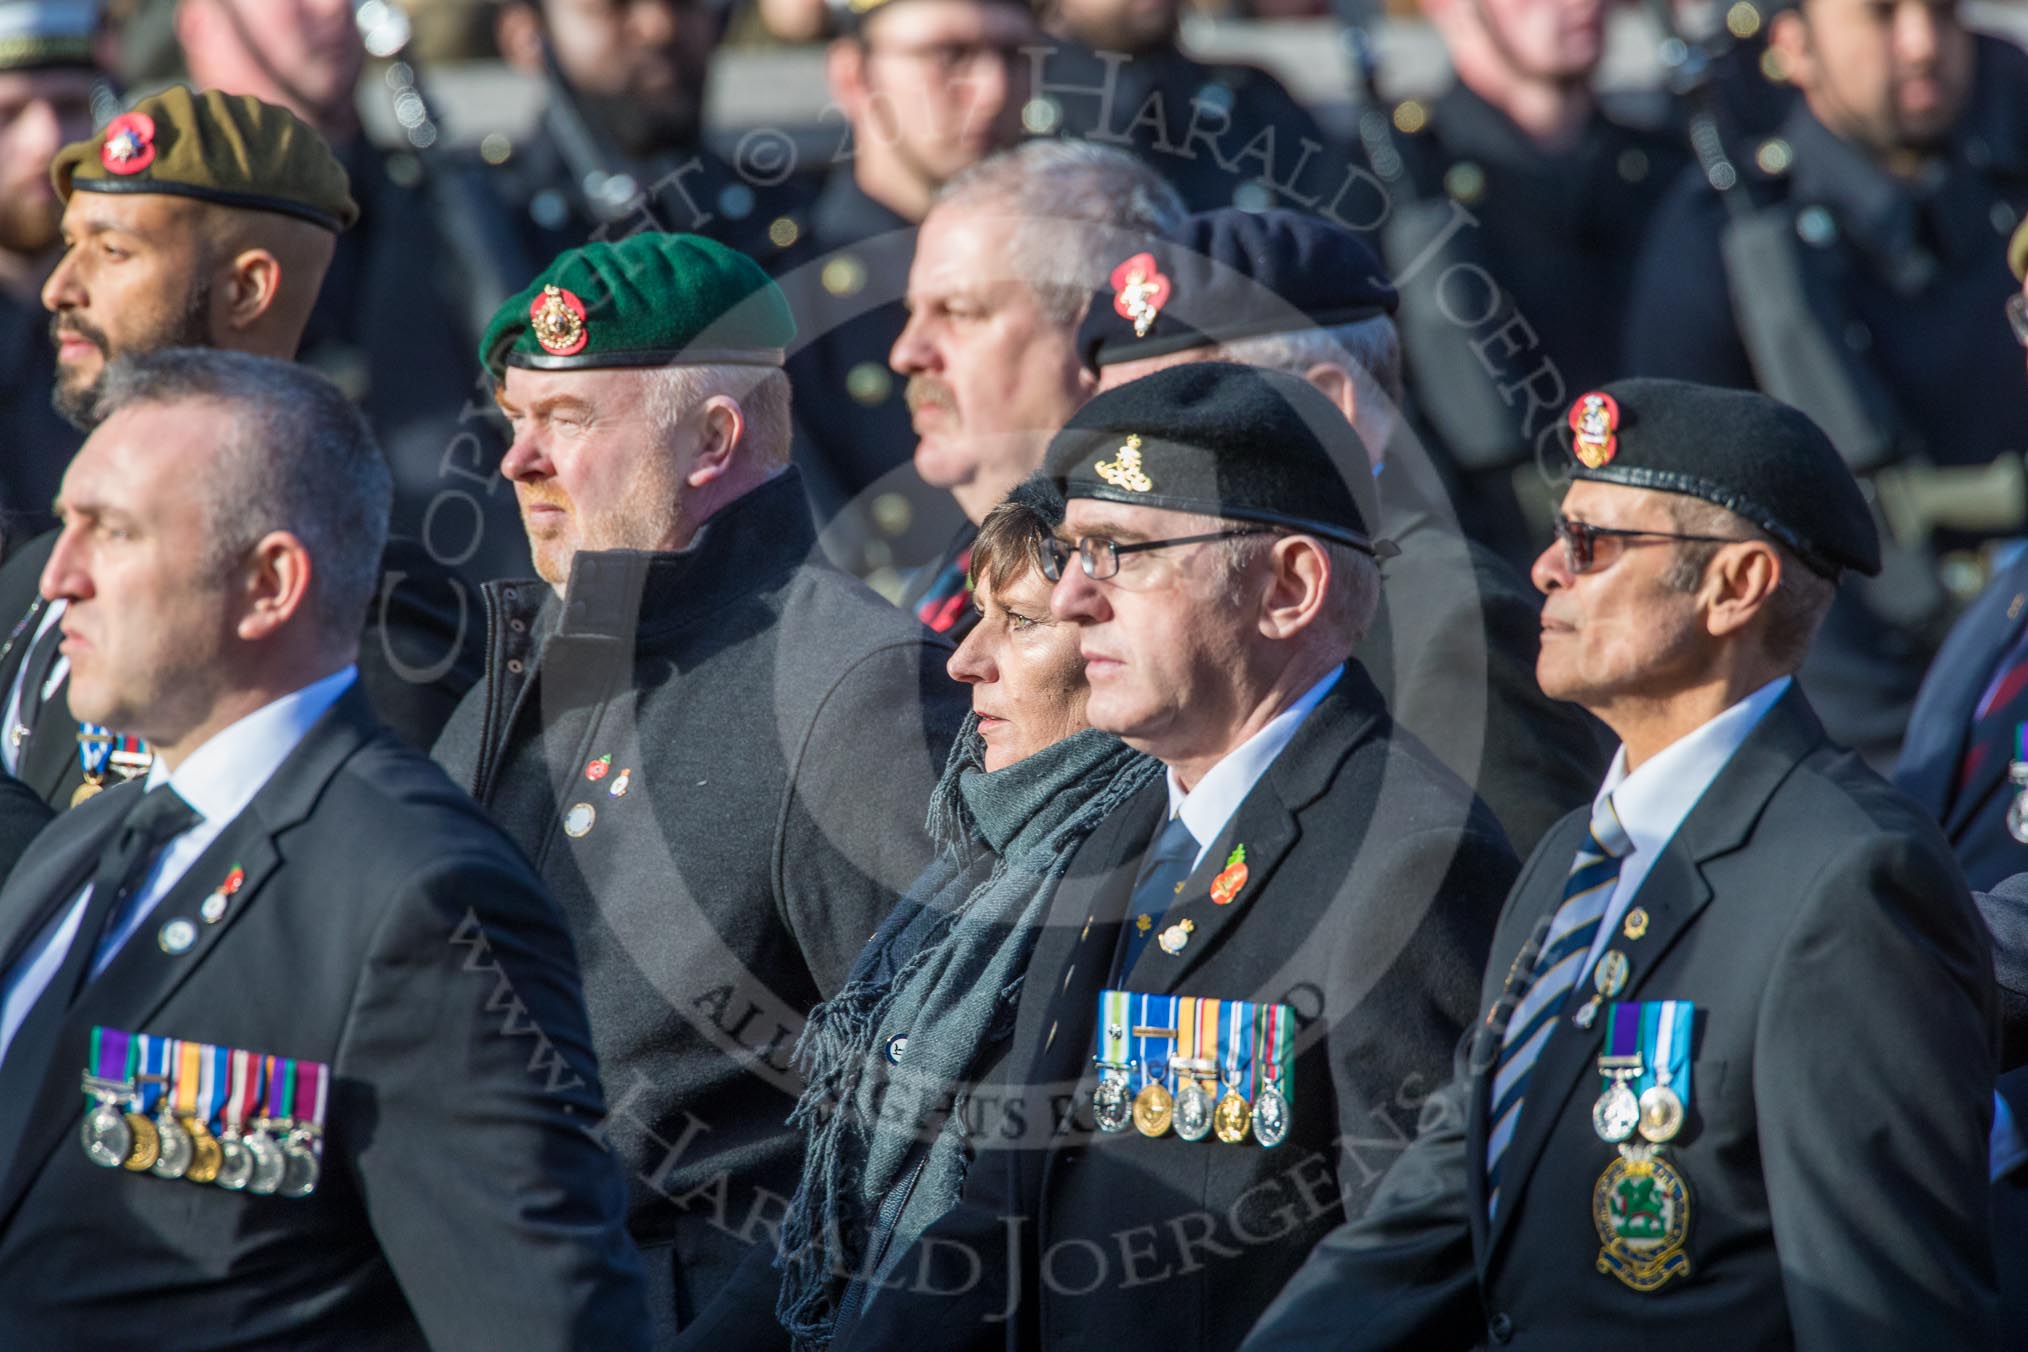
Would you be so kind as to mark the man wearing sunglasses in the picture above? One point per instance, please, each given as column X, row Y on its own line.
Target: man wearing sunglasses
column 1733, row 1081
column 1309, row 877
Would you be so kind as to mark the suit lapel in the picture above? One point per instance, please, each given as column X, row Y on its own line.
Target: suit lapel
column 1673, row 893
column 52, row 750
column 142, row 976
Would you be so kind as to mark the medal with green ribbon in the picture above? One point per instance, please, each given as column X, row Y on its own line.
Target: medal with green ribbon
column 1277, row 1085
column 1641, row 1203
column 1112, row 1104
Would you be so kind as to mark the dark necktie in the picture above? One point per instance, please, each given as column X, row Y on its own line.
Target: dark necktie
column 154, row 821
column 1164, row 870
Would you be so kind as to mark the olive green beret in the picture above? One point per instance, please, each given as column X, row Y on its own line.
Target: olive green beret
column 649, row 300
column 231, row 149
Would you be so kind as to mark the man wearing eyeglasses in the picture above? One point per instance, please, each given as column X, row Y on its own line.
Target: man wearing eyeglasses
column 1734, row 1080
column 1291, row 925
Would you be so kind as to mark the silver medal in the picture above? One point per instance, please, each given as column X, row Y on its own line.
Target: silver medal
column 2017, row 817
column 299, row 1166
column 1112, row 1107
column 1616, row 1113
column 1270, row 1116
column 176, row 1149
column 106, row 1137
column 236, row 1162
column 269, row 1164
column 1193, row 1111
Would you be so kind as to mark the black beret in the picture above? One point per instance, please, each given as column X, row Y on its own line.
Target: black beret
column 1224, row 440
column 851, row 15
column 1231, row 274
column 1752, row 455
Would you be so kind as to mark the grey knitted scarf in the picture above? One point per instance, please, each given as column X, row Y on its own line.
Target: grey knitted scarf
column 944, row 971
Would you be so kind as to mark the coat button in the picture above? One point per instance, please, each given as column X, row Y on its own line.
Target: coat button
column 514, row 665
column 1501, row 1328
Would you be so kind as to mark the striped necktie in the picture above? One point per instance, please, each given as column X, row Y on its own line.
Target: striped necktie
column 1586, row 894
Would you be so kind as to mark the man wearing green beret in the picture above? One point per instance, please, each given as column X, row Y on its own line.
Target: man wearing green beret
column 201, row 220
column 715, row 747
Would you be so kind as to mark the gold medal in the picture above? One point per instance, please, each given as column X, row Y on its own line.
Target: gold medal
column 206, row 1156
column 91, row 788
column 1640, row 1208
column 1233, row 1120
column 147, row 1145
column 1152, row 1110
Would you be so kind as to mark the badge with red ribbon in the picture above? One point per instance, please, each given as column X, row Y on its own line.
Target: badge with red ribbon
column 129, row 146
column 1594, row 423
column 1140, row 291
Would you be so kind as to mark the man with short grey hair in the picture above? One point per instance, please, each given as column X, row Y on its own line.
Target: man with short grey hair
column 338, row 1094
column 715, row 747
column 1005, row 263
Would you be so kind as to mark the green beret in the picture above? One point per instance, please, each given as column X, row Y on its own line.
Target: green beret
column 1754, row 456
column 1240, row 442
column 230, row 149
column 649, row 300
column 45, row 34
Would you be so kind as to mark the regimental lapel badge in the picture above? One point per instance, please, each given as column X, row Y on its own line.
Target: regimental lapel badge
column 213, row 907
column 1637, row 923
column 1124, row 470
column 557, row 319
column 1594, row 425
column 1227, row 884
column 621, row 784
column 129, row 146
column 1140, row 291
column 1176, row 936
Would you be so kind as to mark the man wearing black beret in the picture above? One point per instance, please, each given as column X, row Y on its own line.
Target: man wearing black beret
column 1733, row 1080
column 1253, row 970
column 1452, row 649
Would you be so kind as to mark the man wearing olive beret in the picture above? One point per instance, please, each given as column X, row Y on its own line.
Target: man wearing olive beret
column 1734, row 1077
column 1289, row 928
column 716, row 748
column 200, row 220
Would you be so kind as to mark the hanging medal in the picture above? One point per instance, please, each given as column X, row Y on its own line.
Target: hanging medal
column 1664, row 1103
column 303, row 1150
column 158, row 1086
column 195, row 1085
column 242, row 1098
column 1271, row 1105
column 1154, row 1031
column 94, row 750
column 1233, row 1119
column 2017, row 771
column 1194, row 1104
column 1112, row 1105
column 277, row 1095
column 1617, row 1111
column 1641, row 1204
column 105, row 1135
column 129, row 757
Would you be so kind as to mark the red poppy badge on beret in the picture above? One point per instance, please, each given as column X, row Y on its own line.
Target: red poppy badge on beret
column 129, row 146
column 1140, row 291
column 1594, row 421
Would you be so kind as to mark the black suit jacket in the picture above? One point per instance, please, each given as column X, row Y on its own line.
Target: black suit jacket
column 1373, row 877
column 422, row 648
column 462, row 1205
column 1842, row 1083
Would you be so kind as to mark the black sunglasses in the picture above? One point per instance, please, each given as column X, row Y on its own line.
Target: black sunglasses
column 1582, row 542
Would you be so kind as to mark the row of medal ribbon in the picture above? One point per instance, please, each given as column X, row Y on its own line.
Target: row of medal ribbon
column 1197, row 1066
column 237, row 1120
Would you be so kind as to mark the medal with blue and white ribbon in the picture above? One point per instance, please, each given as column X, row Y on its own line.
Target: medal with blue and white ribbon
column 158, row 1088
column 1641, row 1203
column 1154, row 1036
column 1233, row 1118
column 94, row 750
column 1112, row 1105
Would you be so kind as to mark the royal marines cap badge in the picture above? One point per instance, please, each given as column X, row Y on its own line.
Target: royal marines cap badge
column 129, row 146
column 1140, row 291
column 557, row 319
column 1594, row 425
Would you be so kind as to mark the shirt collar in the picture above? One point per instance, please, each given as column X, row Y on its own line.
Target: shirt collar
column 1208, row 807
column 1653, row 800
column 221, row 777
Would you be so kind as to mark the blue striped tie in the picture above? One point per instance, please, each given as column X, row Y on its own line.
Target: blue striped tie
column 1586, row 894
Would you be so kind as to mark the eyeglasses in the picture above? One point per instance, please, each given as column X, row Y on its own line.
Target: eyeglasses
column 1101, row 557
column 2017, row 315
column 1587, row 547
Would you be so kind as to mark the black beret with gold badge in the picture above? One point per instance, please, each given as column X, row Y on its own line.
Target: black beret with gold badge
column 229, row 149
column 1754, row 456
column 1240, row 442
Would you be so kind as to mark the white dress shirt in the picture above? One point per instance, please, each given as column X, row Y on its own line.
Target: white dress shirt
column 218, row 779
column 1208, row 807
column 1653, row 800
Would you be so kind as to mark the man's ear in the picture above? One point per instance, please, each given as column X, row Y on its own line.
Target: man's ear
column 1788, row 40
column 1740, row 582
column 718, row 440
column 253, row 280
column 277, row 573
column 845, row 72
column 1297, row 581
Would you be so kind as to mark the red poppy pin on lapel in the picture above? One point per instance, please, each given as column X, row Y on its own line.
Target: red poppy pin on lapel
column 1233, row 877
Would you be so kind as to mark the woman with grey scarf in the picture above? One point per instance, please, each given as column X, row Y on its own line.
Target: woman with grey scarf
column 1027, row 781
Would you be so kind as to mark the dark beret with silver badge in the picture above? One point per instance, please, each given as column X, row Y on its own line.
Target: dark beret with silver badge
column 1754, row 456
column 1219, row 439
column 1232, row 274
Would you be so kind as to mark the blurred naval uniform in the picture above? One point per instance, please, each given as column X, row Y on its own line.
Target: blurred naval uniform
column 717, row 758
column 421, row 646
column 1558, row 230
column 1869, row 302
column 1675, row 1155
column 1452, row 650
column 34, row 35
column 1227, row 134
column 1324, row 939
